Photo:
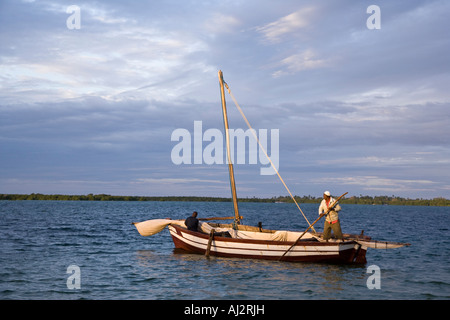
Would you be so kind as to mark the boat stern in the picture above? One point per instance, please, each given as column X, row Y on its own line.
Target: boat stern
column 360, row 254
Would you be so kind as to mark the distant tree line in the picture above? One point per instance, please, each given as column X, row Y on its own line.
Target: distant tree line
column 377, row 200
column 105, row 197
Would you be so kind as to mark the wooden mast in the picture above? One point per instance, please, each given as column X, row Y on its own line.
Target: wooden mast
column 230, row 163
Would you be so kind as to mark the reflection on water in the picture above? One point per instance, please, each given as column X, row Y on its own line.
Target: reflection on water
column 198, row 277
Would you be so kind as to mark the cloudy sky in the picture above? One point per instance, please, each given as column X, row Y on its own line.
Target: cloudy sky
column 92, row 110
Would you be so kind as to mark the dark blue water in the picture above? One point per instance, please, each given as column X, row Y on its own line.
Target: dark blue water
column 39, row 240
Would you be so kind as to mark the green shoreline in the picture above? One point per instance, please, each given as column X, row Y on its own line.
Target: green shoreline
column 377, row 200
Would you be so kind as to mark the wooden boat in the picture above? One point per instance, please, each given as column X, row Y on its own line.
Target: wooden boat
column 243, row 241
column 261, row 245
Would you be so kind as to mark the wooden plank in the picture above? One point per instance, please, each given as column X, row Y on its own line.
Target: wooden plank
column 208, row 248
column 374, row 244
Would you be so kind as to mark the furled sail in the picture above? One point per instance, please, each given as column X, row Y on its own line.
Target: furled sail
column 154, row 226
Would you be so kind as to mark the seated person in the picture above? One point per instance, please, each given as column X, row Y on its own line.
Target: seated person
column 192, row 222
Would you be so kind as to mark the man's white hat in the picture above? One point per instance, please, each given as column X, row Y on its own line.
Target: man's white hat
column 327, row 193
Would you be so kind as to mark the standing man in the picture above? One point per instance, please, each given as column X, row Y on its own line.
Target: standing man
column 192, row 222
column 332, row 218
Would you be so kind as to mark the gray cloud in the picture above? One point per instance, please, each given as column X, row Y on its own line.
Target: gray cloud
column 93, row 109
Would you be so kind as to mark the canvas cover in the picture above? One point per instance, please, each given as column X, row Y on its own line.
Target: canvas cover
column 154, row 226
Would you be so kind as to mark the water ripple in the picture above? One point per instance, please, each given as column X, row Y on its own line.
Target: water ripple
column 40, row 239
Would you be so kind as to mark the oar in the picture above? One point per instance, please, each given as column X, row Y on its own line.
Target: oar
column 320, row 217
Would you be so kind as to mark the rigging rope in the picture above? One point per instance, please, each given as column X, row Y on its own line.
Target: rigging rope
column 264, row 150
